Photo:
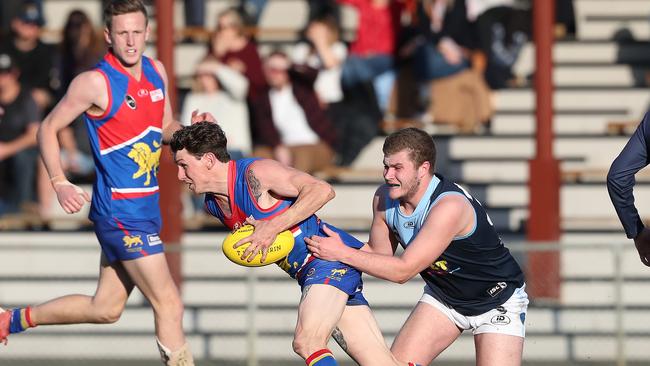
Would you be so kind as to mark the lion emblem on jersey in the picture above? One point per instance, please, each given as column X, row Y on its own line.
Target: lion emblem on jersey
column 147, row 160
column 131, row 240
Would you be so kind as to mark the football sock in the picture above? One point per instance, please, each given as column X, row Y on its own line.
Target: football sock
column 323, row 357
column 21, row 320
column 181, row 357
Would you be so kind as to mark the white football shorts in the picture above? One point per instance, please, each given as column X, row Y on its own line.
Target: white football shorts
column 508, row 318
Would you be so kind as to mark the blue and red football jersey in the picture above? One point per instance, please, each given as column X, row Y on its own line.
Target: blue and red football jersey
column 126, row 142
column 243, row 204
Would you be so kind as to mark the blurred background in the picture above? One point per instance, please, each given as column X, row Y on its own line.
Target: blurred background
column 466, row 71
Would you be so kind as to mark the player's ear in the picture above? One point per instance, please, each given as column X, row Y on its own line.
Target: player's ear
column 210, row 160
column 424, row 168
column 146, row 32
column 107, row 36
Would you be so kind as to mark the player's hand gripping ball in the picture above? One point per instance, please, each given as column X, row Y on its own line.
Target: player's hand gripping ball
column 278, row 250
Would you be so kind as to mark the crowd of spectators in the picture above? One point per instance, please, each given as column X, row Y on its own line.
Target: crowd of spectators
column 314, row 104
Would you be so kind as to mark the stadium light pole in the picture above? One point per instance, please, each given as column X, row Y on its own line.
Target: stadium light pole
column 543, row 267
column 170, row 188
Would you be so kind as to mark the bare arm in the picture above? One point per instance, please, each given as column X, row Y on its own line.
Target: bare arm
column 87, row 91
column 453, row 215
column 268, row 178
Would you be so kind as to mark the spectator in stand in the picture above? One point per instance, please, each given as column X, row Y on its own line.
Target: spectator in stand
column 194, row 13
column 372, row 52
column 458, row 94
column 34, row 57
column 230, row 46
column 221, row 91
column 502, row 30
column 565, row 20
column 19, row 121
column 324, row 51
column 290, row 124
column 81, row 47
column 321, row 9
column 252, row 10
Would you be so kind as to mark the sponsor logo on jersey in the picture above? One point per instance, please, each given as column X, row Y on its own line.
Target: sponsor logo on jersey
column 130, row 102
column 496, row 289
column 154, row 239
column 132, row 243
column 409, row 224
column 143, row 93
column 156, row 95
column 441, row 268
column 147, row 160
column 500, row 320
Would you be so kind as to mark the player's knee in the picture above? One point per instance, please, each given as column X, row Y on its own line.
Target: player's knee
column 173, row 308
column 109, row 315
column 304, row 343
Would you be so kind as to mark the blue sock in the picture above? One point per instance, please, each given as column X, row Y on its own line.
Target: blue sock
column 323, row 357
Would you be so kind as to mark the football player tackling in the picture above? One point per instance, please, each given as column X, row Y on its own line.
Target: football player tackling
column 274, row 198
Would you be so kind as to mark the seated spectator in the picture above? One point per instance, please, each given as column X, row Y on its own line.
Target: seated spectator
column 34, row 57
column 372, row 52
column 458, row 94
column 230, row 46
column 355, row 124
column 501, row 30
column 289, row 122
column 19, row 122
column 81, row 47
column 221, row 91
column 325, row 53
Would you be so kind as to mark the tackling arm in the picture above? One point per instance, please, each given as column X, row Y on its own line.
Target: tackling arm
column 453, row 215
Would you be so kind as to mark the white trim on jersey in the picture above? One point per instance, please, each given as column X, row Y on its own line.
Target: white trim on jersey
column 134, row 190
column 130, row 141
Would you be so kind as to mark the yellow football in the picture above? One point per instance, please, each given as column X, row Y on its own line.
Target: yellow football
column 278, row 250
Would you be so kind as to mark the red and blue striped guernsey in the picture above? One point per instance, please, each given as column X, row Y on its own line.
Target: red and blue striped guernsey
column 126, row 142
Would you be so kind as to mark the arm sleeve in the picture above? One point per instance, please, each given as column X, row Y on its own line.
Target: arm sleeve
column 620, row 179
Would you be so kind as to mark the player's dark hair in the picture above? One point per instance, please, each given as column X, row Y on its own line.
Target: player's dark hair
column 201, row 138
column 419, row 144
column 120, row 7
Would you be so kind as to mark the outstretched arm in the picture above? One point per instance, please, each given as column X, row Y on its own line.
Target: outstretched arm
column 620, row 185
column 447, row 219
column 620, row 179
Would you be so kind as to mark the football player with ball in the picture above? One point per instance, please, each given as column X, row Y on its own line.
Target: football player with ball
column 275, row 198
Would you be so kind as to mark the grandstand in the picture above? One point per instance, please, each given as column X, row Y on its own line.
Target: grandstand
column 236, row 314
